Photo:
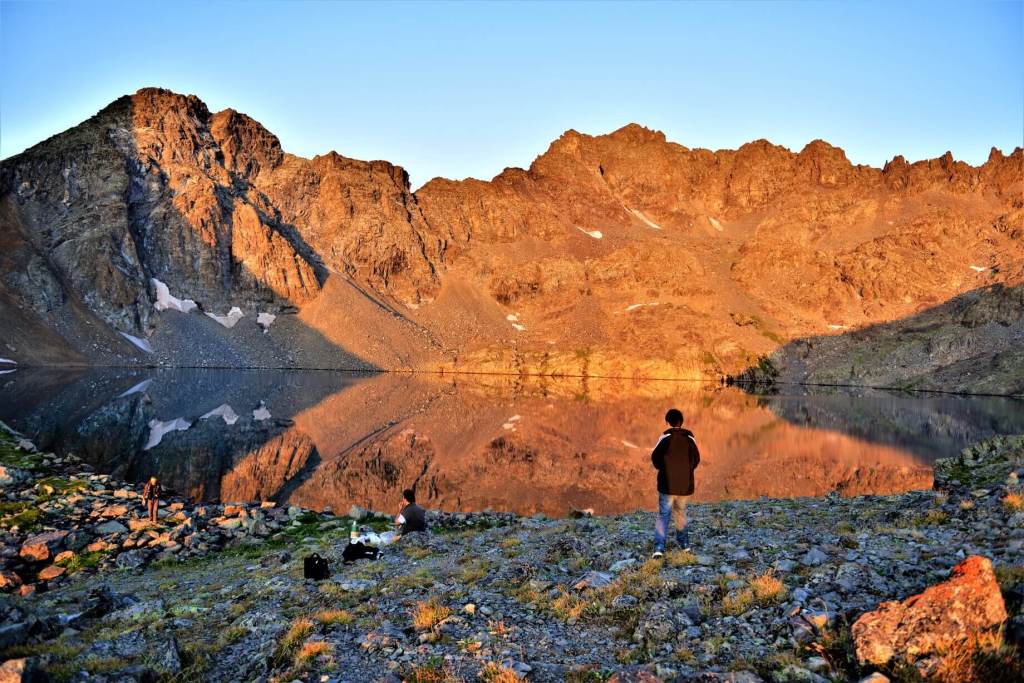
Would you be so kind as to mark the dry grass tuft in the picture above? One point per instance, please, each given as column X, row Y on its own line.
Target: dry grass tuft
column 768, row 589
column 495, row 673
column 300, row 629
column 985, row 658
column 313, row 649
column 680, row 558
column 1013, row 501
column 429, row 614
column 738, row 602
column 334, row 617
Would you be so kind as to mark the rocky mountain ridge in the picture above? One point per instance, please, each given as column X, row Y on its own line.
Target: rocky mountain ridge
column 617, row 255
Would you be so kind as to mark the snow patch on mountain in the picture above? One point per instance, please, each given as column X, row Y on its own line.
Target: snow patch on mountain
column 633, row 307
column 223, row 411
column 596, row 234
column 229, row 320
column 137, row 389
column 640, row 214
column 140, row 343
column 165, row 301
column 978, row 269
column 265, row 320
column 261, row 413
column 158, row 429
column 715, row 224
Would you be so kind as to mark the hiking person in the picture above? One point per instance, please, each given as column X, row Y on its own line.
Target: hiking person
column 151, row 493
column 411, row 517
column 675, row 457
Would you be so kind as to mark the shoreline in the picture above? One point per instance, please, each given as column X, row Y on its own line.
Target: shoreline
column 220, row 585
column 753, row 387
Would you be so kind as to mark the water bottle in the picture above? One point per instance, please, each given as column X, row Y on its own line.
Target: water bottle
column 354, row 533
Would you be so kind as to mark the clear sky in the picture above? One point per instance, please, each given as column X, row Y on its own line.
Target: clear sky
column 465, row 89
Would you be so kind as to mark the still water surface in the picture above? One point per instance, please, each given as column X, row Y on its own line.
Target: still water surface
column 321, row 439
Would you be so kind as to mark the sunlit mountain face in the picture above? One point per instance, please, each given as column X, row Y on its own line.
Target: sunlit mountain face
column 160, row 233
column 334, row 439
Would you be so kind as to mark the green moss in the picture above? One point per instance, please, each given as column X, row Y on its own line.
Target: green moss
column 12, row 456
column 26, row 516
column 84, row 561
column 61, row 485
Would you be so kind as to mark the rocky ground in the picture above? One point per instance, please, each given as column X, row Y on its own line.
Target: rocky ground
column 771, row 590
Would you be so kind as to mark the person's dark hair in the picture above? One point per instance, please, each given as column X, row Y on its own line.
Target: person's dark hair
column 409, row 495
column 674, row 417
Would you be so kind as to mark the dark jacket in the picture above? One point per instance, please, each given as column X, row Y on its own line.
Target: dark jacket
column 676, row 457
column 152, row 491
column 415, row 519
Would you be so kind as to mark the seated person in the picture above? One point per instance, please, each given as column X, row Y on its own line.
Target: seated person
column 411, row 517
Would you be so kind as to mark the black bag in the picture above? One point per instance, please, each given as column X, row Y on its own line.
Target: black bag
column 359, row 551
column 315, row 567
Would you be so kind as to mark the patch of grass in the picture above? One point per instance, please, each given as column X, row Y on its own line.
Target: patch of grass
column 429, row 613
column 984, row 658
column 767, row 589
column 590, row 674
column 232, row 635
column 680, row 558
column 930, row 518
column 511, row 542
column 474, row 571
column 420, row 579
column 312, row 650
column 1009, row 576
column 417, row 552
column 334, row 617
column 1013, row 502
column 738, row 602
column 568, row 605
column 434, row 670
column 495, row 673
column 300, row 629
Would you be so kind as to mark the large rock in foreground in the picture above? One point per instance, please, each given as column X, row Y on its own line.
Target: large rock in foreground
column 943, row 615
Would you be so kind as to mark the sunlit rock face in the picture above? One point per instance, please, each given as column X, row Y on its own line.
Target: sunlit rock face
column 614, row 255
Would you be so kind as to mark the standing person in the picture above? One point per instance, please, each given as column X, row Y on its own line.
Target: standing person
column 411, row 517
column 151, row 493
column 675, row 457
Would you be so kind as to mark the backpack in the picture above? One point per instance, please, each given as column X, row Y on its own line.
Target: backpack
column 359, row 551
column 315, row 567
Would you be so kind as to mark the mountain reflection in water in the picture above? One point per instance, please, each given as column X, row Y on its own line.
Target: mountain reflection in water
column 321, row 439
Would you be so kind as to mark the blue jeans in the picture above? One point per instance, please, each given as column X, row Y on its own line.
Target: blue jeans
column 674, row 507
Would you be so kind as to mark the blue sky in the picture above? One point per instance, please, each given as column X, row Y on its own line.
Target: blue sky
column 466, row 89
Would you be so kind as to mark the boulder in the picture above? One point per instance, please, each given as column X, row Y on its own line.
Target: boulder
column 9, row 580
column 130, row 559
column 52, row 572
column 111, row 527
column 12, row 476
column 943, row 615
column 77, row 539
column 20, row 671
column 41, row 547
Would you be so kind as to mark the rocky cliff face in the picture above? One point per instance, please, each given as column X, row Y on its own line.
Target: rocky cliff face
column 621, row 254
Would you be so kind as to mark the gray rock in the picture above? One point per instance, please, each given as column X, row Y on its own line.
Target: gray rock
column 814, row 557
column 622, row 564
column 130, row 559
column 593, row 580
column 111, row 527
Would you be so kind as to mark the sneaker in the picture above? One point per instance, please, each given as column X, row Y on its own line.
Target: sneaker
column 658, row 554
